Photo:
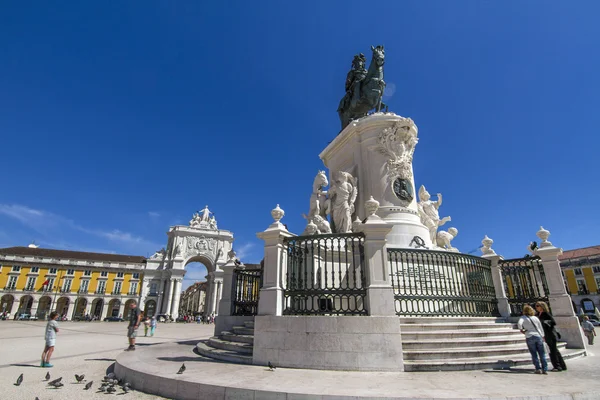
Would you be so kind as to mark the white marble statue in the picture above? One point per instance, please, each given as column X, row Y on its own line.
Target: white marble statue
column 398, row 143
column 445, row 237
column 342, row 196
column 212, row 223
column 319, row 205
column 159, row 254
column 428, row 211
column 195, row 221
column 205, row 216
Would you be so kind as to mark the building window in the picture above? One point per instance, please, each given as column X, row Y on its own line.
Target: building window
column 35, row 270
column 596, row 269
column 117, row 289
column 136, row 275
column 581, row 286
column 598, row 283
column 70, row 272
column 133, row 286
column 153, row 289
column 67, row 286
column 101, row 287
column 12, row 282
column 578, row 272
column 49, row 287
column 30, row 286
column 16, row 268
column 87, row 272
column 104, row 274
column 84, row 286
column 53, row 271
column 120, row 274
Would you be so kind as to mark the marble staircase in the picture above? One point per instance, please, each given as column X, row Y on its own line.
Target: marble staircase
column 231, row 346
column 453, row 344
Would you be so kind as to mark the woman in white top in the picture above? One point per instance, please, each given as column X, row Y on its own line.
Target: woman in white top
column 531, row 326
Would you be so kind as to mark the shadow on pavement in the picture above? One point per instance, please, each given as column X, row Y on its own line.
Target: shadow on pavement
column 510, row 371
column 25, row 365
column 99, row 359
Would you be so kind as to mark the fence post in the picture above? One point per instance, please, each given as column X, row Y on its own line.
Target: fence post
column 227, row 295
column 380, row 293
column 270, row 301
column 560, row 302
column 490, row 254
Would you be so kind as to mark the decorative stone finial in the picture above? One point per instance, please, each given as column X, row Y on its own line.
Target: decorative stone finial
column 544, row 234
column 487, row 246
column 356, row 224
column 311, row 228
column 277, row 213
column 371, row 206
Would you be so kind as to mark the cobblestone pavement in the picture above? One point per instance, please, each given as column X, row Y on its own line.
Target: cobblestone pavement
column 86, row 348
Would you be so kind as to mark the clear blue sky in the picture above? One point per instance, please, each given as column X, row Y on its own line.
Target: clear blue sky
column 120, row 119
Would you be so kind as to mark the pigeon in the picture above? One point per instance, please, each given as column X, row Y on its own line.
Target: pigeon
column 37, row 398
column 58, row 385
column 47, row 376
column 19, row 380
column 126, row 389
column 88, row 385
column 102, row 388
column 111, row 389
column 79, row 378
column 54, row 382
column 182, row 369
column 111, row 375
column 271, row 367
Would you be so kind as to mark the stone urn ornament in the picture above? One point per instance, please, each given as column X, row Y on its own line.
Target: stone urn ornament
column 371, row 206
column 277, row 213
column 544, row 234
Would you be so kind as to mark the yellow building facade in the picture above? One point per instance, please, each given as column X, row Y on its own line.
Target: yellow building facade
column 36, row 281
column 581, row 272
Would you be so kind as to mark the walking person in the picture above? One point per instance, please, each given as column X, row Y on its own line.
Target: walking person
column 50, row 337
column 152, row 326
column 146, row 325
column 134, row 322
column 551, row 336
column 588, row 330
column 531, row 327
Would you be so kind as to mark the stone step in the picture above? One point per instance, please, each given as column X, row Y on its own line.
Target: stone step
column 461, row 333
column 249, row 324
column 469, row 353
column 238, row 347
column 462, row 342
column 222, row 355
column 232, row 337
column 242, row 330
column 439, row 326
column 433, row 320
column 482, row 363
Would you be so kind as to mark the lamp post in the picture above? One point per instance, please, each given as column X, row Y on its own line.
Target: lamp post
column 56, row 290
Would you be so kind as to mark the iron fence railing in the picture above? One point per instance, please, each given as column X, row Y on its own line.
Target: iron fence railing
column 325, row 275
column 439, row 283
column 245, row 291
column 524, row 282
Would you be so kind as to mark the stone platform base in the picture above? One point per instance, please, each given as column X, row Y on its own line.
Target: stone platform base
column 153, row 369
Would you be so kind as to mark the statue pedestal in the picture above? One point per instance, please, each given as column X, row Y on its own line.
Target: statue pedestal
column 366, row 149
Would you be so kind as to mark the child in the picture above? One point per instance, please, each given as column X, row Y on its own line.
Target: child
column 51, row 331
column 152, row 326
column 588, row 330
column 146, row 326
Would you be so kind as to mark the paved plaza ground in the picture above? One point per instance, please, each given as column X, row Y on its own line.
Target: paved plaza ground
column 91, row 349
column 86, row 348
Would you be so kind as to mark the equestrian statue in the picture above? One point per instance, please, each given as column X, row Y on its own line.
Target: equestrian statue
column 364, row 88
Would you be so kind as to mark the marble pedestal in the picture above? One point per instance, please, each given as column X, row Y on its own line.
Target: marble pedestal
column 358, row 150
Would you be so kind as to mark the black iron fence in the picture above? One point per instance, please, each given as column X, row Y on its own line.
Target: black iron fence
column 244, row 293
column 524, row 282
column 325, row 275
column 439, row 283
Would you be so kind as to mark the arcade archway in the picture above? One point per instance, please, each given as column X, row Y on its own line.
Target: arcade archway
column 44, row 307
column 6, row 303
column 127, row 309
column 25, row 305
column 62, row 306
column 97, row 306
column 150, row 308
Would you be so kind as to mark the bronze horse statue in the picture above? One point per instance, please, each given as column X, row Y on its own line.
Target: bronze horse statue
column 364, row 89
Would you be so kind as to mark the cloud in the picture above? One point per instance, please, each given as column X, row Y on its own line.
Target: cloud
column 51, row 225
column 244, row 251
column 153, row 214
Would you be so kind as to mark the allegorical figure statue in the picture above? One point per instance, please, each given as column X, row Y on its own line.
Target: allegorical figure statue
column 318, row 199
column 342, row 196
column 445, row 237
column 428, row 210
column 364, row 88
column 205, row 214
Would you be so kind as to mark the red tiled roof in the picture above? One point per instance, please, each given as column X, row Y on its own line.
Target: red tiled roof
column 75, row 255
column 579, row 253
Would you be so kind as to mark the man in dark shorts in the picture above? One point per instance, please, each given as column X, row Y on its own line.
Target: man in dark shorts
column 135, row 316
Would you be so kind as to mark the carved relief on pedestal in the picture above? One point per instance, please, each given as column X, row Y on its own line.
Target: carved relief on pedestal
column 200, row 245
column 397, row 143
